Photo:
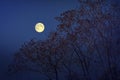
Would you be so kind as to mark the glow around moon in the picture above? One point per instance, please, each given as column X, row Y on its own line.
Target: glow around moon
column 39, row 27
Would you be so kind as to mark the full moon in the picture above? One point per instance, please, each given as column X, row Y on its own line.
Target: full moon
column 39, row 27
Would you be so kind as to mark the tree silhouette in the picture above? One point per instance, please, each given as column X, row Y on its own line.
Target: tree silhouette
column 86, row 37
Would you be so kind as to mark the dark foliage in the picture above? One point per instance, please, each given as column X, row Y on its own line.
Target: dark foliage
column 85, row 45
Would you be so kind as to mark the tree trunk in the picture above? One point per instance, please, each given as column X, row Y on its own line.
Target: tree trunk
column 56, row 74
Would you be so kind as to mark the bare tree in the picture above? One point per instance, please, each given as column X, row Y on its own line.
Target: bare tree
column 91, row 30
column 86, row 37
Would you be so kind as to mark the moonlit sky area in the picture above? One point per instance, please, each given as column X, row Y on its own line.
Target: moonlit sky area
column 18, row 19
column 17, row 25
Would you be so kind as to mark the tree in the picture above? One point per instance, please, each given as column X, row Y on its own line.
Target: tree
column 94, row 25
column 85, row 38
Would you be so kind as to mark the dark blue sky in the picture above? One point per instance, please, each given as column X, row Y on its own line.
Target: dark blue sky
column 17, row 21
column 18, row 18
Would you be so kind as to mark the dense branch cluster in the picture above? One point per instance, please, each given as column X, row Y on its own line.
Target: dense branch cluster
column 86, row 42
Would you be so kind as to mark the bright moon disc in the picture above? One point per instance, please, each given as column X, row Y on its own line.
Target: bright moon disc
column 39, row 27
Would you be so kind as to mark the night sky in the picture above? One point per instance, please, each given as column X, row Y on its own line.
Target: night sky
column 17, row 22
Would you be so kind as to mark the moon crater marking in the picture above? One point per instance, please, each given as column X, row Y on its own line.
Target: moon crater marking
column 39, row 27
